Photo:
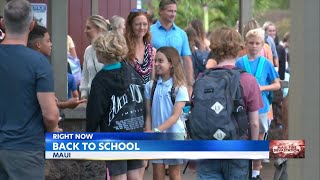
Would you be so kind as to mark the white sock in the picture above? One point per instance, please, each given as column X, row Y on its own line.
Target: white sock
column 255, row 173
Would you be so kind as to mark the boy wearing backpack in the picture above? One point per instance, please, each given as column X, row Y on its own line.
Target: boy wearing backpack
column 222, row 118
column 265, row 75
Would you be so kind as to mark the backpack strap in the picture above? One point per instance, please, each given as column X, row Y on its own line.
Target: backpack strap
column 153, row 88
column 172, row 92
column 259, row 68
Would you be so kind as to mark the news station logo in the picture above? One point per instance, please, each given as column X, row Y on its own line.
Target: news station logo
column 287, row 148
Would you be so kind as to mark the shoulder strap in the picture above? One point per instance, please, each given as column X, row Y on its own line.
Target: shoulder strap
column 153, row 88
column 259, row 69
column 238, row 94
column 172, row 92
column 246, row 64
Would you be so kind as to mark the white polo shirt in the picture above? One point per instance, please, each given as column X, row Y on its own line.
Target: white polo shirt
column 162, row 106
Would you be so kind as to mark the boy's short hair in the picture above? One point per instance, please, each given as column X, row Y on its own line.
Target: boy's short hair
column 110, row 46
column 258, row 33
column 225, row 43
column 37, row 33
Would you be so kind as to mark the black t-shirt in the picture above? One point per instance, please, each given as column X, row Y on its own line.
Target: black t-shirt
column 116, row 101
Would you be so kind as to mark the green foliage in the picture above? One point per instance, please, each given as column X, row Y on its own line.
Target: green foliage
column 220, row 12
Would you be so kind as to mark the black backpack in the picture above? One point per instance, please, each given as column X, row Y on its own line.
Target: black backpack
column 218, row 110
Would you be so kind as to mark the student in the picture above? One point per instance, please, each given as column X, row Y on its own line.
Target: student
column 268, row 79
column 162, row 113
column 116, row 101
column 39, row 40
column 225, row 43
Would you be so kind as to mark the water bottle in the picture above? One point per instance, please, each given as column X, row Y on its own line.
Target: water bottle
column 185, row 113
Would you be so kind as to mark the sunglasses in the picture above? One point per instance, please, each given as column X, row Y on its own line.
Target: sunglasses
column 135, row 10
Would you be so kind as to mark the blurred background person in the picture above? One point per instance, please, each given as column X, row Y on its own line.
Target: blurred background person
column 71, row 49
column 197, row 25
column 199, row 52
column 117, row 24
column 95, row 25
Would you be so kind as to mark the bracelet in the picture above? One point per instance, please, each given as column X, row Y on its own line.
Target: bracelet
column 156, row 130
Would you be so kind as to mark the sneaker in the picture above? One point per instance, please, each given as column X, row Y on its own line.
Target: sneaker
column 256, row 178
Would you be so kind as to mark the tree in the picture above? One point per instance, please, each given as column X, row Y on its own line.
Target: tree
column 220, row 12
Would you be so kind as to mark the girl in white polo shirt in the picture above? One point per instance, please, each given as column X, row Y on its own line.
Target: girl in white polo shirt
column 164, row 105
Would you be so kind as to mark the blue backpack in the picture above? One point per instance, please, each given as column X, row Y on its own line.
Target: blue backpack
column 199, row 59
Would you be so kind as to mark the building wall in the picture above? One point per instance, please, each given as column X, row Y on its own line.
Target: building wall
column 80, row 10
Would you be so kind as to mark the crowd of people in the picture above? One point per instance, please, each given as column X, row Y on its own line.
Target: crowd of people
column 136, row 76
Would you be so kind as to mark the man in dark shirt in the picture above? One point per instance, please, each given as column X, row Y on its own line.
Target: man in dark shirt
column 27, row 106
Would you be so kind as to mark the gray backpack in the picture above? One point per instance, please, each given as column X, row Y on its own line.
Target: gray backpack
column 218, row 111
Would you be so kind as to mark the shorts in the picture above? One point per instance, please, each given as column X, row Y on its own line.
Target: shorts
column 263, row 122
column 168, row 161
column 15, row 165
column 123, row 166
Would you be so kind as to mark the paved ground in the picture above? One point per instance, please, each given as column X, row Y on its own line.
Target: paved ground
column 266, row 174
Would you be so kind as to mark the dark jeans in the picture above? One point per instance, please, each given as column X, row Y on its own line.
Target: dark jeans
column 223, row 169
column 17, row 165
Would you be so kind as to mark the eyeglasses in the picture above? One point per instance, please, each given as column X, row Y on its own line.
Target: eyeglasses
column 138, row 10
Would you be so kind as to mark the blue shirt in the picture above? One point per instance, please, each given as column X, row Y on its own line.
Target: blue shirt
column 269, row 74
column 23, row 73
column 174, row 37
column 162, row 106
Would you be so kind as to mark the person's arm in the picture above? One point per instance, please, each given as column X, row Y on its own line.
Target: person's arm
column 71, row 47
column 254, row 124
column 73, row 52
column 75, row 94
column 49, row 111
column 275, row 85
column 70, row 103
column 148, row 117
column 177, row 110
column 74, row 88
column 84, row 83
column 187, row 62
